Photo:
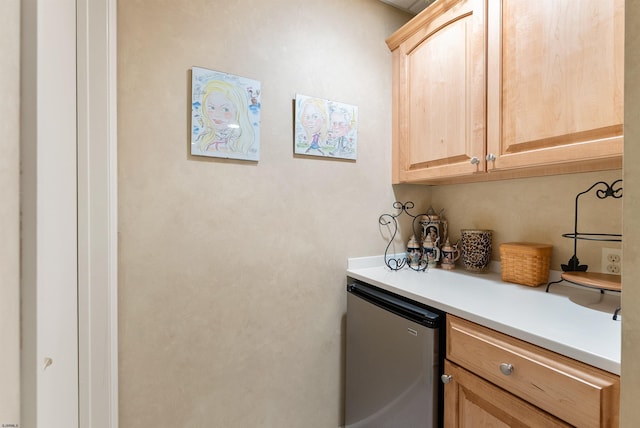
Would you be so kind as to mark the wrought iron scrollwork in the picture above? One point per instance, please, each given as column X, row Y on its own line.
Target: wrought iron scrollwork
column 397, row 263
column 608, row 191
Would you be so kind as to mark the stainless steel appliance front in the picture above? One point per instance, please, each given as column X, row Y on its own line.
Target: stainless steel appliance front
column 392, row 361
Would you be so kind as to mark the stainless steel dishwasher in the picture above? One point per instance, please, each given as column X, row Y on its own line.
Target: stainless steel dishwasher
column 392, row 360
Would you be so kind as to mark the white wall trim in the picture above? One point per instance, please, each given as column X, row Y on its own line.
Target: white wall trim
column 97, row 214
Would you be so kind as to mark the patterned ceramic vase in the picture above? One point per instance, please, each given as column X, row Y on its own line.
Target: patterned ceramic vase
column 476, row 249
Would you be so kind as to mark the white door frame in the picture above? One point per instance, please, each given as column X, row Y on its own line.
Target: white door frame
column 69, row 214
column 97, row 214
column 49, row 278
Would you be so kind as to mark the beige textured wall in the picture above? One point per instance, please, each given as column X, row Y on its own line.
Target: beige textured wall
column 232, row 274
column 630, row 412
column 535, row 210
column 9, row 211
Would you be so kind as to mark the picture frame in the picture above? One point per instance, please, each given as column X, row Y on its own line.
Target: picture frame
column 225, row 115
column 325, row 128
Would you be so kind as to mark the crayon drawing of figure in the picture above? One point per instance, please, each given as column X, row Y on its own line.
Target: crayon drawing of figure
column 222, row 122
column 314, row 123
column 325, row 128
column 340, row 135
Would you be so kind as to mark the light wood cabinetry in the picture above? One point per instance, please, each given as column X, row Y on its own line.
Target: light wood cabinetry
column 497, row 380
column 555, row 82
column 471, row 401
column 439, row 92
column 524, row 88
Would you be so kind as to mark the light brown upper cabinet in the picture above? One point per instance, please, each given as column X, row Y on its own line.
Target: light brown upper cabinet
column 507, row 88
column 439, row 121
column 555, row 82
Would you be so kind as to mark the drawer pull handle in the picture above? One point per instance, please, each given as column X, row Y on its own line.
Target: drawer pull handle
column 506, row 369
column 446, row 378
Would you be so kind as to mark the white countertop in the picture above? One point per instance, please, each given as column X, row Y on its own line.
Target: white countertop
column 573, row 321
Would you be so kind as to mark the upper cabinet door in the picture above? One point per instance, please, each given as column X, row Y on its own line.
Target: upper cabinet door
column 555, row 82
column 439, row 92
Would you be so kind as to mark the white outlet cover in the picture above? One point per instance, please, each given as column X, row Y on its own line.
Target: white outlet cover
column 609, row 266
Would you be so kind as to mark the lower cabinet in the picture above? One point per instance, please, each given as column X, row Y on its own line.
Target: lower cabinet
column 494, row 380
column 471, row 401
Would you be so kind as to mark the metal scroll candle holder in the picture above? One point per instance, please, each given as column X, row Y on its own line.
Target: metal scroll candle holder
column 422, row 253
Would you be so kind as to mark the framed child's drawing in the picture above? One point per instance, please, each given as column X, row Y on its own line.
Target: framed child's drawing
column 325, row 128
column 225, row 115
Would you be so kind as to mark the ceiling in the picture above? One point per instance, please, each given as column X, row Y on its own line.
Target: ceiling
column 412, row 6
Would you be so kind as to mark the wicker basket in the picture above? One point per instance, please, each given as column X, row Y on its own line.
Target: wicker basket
column 525, row 263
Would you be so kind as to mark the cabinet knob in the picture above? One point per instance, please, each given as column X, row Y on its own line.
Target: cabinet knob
column 506, row 369
column 491, row 157
column 474, row 161
column 446, row 378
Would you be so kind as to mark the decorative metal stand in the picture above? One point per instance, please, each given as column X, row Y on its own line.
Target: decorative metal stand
column 573, row 271
column 423, row 219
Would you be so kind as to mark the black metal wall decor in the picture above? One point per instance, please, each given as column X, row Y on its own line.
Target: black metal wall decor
column 576, row 273
column 423, row 252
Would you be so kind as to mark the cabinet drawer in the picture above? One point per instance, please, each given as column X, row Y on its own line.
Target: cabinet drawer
column 575, row 392
column 471, row 401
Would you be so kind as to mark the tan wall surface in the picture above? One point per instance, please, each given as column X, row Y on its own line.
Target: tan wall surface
column 630, row 411
column 232, row 274
column 535, row 210
column 9, row 212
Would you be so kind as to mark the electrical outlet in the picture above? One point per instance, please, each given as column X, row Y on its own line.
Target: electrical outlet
column 612, row 261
